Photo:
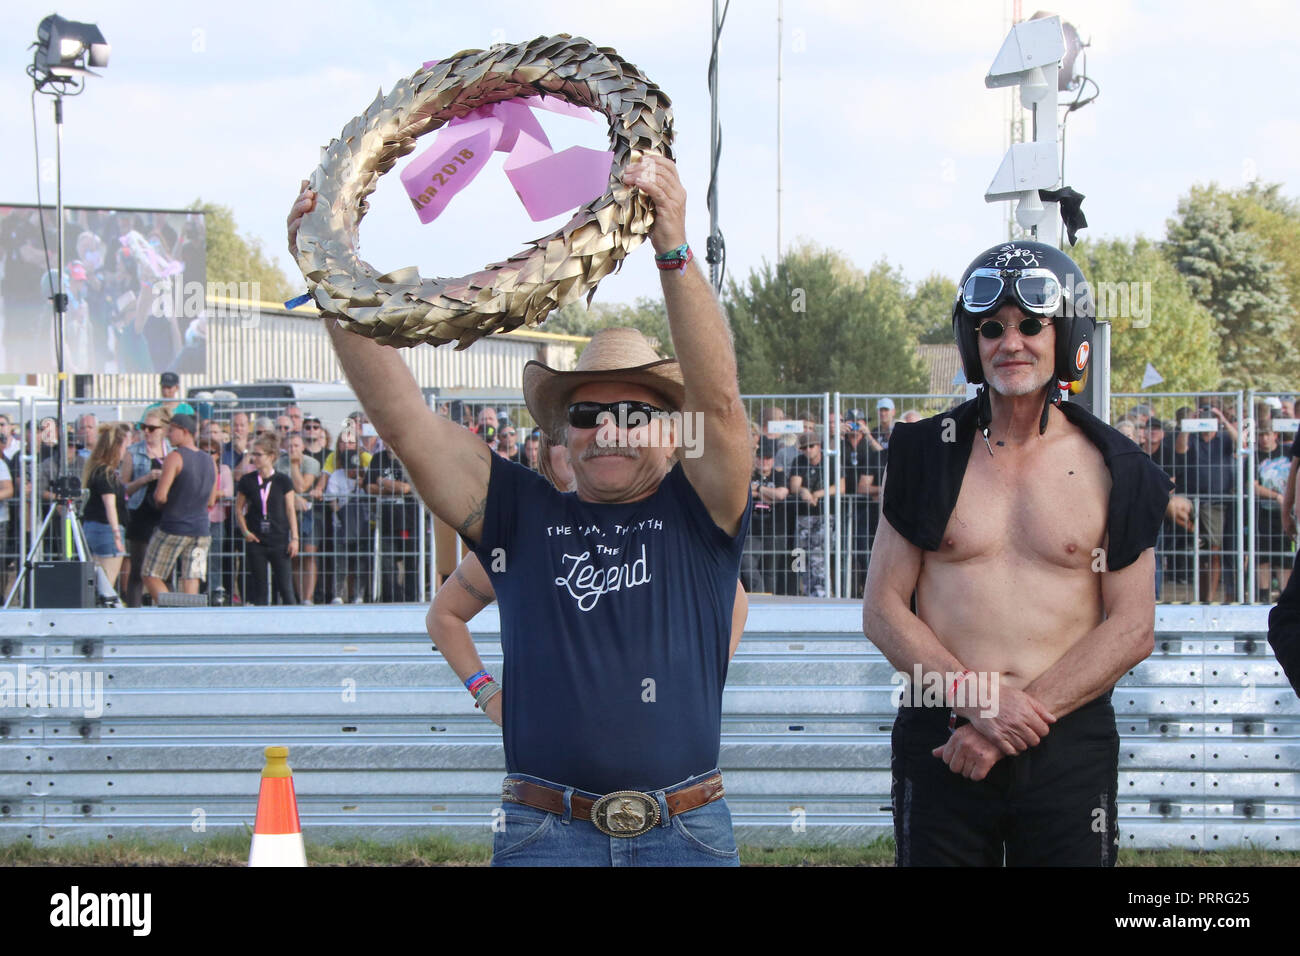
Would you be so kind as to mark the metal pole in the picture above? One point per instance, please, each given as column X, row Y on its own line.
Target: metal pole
column 827, row 515
column 60, row 300
column 1247, row 552
column 715, row 147
column 421, row 562
column 779, row 17
column 833, row 441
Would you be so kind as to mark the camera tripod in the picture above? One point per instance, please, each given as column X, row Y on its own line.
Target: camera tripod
column 67, row 492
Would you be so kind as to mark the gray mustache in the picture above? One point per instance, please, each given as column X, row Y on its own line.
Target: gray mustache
column 600, row 451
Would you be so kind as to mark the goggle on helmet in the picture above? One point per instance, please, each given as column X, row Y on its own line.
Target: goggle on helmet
column 1043, row 282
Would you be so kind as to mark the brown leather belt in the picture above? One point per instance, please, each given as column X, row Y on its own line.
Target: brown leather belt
column 624, row 813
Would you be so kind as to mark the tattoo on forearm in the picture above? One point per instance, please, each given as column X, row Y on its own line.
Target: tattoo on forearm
column 464, row 582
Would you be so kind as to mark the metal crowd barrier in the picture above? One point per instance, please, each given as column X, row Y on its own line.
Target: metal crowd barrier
column 386, row 744
column 1234, row 550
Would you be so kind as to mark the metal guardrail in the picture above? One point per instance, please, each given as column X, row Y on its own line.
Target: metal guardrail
column 386, row 744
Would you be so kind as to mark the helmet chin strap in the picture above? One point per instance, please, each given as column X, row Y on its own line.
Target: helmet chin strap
column 1053, row 396
column 984, row 410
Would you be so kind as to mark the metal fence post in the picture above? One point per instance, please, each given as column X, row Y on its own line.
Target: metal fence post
column 1250, row 441
column 1245, row 550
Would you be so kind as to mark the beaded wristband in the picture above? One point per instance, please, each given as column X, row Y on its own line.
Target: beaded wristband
column 485, row 694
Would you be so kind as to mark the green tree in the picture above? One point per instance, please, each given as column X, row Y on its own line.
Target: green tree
column 929, row 310
column 817, row 323
column 1153, row 315
column 1262, row 210
column 235, row 258
column 1229, row 271
column 649, row 316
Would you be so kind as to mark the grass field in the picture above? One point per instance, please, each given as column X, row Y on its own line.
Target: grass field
column 232, row 850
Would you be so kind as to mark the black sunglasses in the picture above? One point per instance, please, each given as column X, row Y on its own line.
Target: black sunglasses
column 150, row 428
column 588, row 414
column 1028, row 326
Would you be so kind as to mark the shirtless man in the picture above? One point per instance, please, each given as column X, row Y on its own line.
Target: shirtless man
column 1025, row 531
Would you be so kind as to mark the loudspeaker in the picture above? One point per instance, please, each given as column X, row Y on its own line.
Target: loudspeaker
column 63, row 584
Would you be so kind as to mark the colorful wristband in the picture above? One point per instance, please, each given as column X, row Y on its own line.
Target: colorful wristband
column 489, row 690
column 678, row 258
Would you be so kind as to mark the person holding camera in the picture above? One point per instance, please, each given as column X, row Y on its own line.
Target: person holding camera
column 1209, row 465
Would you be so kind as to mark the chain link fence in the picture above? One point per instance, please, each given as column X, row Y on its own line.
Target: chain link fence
column 819, row 461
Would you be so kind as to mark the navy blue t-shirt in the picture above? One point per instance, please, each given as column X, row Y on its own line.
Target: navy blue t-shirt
column 615, row 626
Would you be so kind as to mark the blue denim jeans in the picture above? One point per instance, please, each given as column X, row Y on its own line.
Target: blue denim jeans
column 526, row 836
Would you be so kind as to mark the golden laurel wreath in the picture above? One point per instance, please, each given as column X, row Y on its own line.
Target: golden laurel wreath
column 402, row 308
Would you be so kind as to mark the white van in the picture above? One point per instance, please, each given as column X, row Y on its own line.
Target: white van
column 330, row 402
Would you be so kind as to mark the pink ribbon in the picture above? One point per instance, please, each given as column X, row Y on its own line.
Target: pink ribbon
column 547, row 183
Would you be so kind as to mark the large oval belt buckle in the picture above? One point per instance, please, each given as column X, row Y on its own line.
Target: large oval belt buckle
column 625, row 813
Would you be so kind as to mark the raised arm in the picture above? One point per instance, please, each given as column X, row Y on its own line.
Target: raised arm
column 462, row 596
column 448, row 466
column 702, row 341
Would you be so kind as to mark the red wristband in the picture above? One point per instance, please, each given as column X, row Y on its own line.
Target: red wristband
column 952, row 691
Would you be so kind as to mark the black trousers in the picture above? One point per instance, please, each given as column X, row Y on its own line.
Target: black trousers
column 1053, row 805
column 273, row 552
column 1284, row 628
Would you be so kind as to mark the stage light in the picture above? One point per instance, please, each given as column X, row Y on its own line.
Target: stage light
column 65, row 49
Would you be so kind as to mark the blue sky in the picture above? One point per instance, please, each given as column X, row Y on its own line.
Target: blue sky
column 889, row 137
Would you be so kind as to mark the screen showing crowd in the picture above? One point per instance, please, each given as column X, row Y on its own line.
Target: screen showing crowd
column 135, row 282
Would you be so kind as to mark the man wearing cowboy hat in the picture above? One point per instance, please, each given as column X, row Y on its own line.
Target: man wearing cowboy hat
column 615, row 599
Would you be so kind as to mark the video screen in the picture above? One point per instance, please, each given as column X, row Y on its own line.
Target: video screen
column 135, row 281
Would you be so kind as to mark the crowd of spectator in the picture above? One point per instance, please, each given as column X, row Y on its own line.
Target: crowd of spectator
column 1199, row 545
column 253, row 508
column 290, row 511
column 124, row 274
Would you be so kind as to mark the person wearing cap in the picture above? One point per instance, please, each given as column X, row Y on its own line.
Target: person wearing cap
column 315, row 439
column 186, row 490
column 859, row 453
column 885, row 422
column 808, row 491
column 767, row 548
column 1023, row 529
column 169, row 383
column 616, row 601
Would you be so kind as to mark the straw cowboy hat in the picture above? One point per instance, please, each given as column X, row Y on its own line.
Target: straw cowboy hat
column 612, row 355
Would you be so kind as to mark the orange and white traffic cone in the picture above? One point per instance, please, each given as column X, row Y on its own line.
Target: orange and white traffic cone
column 277, row 835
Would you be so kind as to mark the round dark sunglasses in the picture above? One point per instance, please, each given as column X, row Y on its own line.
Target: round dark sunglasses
column 587, row 414
column 993, row 328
